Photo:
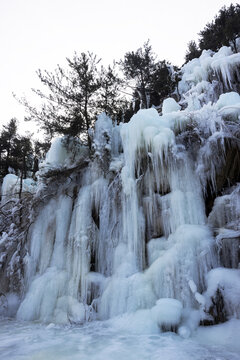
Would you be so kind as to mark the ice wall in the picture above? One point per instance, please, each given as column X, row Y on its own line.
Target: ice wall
column 129, row 237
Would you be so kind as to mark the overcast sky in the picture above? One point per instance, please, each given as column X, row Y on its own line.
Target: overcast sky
column 42, row 33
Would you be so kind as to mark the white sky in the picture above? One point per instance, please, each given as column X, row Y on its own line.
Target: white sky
column 42, row 33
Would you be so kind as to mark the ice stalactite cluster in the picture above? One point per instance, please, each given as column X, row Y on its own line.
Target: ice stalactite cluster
column 131, row 240
column 141, row 236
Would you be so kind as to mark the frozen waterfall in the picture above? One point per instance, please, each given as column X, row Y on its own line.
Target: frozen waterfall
column 131, row 240
column 139, row 236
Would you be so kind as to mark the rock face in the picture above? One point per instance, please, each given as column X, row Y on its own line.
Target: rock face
column 149, row 225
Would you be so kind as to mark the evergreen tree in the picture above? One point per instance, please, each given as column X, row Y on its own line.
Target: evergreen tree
column 68, row 107
column 23, row 155
column 23, row 158
column 16, row 152
column 8, row 138
column 109, row 99
column 231, row 24
column 152, row 79
column 139, row 66
column 192, row 51
column 162, row 83
column 40, row 149
column 224, row 30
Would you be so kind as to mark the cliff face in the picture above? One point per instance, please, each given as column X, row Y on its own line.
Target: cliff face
column 149, row 225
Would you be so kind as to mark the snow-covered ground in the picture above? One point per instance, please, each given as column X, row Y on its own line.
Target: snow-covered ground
column 99, row 341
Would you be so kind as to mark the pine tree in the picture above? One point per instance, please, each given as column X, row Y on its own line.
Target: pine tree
column 139, row 66
column 109, row 99
column 68, row 107
column 192, row 51
column 7, row 147
column 40, row 149
column 152, row 79
column 23, row 158
column 224, row 30
column 16, row 152
column 162, row 83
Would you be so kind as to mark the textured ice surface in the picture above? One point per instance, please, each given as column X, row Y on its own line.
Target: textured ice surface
column 222, row 64
column 100, row 341
column 65, row 235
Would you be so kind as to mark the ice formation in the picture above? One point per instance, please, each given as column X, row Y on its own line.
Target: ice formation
column 136, row 234
column 11, row 187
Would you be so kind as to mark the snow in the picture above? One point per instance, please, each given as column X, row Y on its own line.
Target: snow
column 167, row 312
column 199, row 85
column 195, row 71
column 9, row 182
column 231, row 98
column 101, row 341
column 64, row 151
column 228, row 282
column 228, row 105
column 226, row 335
column 57, row 153
column 11, row 187
column 170, row 105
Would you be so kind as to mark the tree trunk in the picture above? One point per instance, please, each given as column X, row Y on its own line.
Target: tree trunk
column 87, row 120
column 235, row 45
column 144, row 95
